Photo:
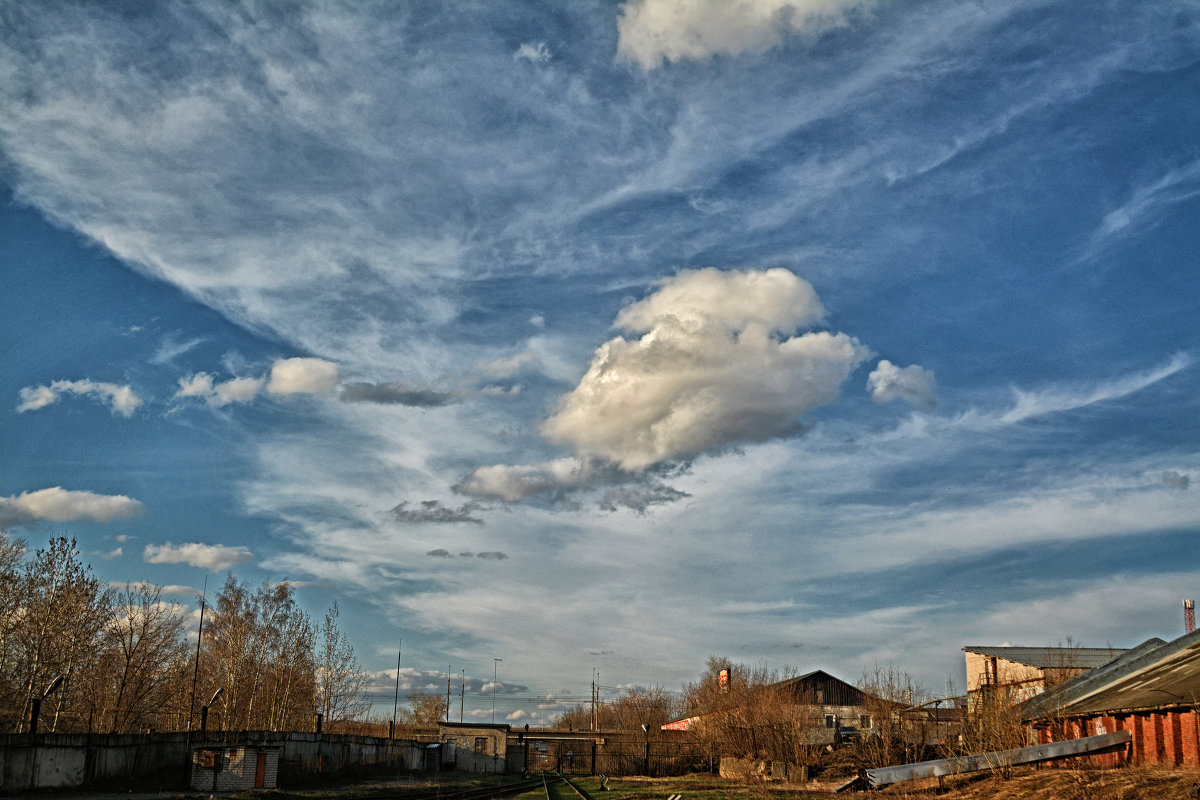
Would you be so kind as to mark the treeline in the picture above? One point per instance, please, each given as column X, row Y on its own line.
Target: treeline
column 636, row 706
column 755, row 713
column 98, row 658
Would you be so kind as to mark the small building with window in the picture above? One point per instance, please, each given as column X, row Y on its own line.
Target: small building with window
column 474, row 747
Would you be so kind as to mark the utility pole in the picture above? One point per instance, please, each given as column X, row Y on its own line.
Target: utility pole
column 196, row 669
column 396, row 702
column 495, row 672
column 448, row 666
column 594, row 676
column 462, row 695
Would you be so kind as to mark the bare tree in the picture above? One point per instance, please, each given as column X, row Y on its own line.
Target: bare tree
column 259, row 651
column 64, row 608
column 145, row 645
column 889, row 692
column 425, row 710
column 11, row 614
column 753, row 712
column 635, row 706
column 339, row 676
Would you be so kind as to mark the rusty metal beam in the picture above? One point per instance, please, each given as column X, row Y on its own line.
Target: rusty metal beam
column 999, row 758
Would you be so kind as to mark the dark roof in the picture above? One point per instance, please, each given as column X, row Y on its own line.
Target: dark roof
column 833, row 691
column 1155, row 674
column 1052, row 657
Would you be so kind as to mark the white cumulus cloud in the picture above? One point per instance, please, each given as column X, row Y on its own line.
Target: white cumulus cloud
column 215, row 557
column 217, row 394
column 715, row 367
column 913, row 384
column 121, row 399
column 651, row 31
column 57, row 504
column 288, row 376
column 302, row 376
column 516, row 482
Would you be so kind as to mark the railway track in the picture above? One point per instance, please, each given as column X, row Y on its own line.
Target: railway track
column 532, row 784
column 579, row 793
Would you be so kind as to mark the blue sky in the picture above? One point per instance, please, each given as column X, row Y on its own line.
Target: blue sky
column 817, row 333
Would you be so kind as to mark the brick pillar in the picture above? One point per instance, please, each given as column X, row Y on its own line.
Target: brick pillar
column 1112, row 725
column 1189, row 738
column 1138, row 726
column 1152, row 726
column 1172, row 736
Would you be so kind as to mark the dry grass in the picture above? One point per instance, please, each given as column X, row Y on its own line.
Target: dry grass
column 1024, row 784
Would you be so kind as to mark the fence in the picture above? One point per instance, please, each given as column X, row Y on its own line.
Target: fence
column 613, row 753
column 73, row 760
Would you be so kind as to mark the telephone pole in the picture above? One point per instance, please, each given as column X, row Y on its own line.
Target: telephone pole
column 495, row 672
column 396, row 701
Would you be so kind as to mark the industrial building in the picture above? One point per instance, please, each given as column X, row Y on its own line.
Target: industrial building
column 1150, row 691
column 1025, row 672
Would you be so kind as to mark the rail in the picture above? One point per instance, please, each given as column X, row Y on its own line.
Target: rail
column 474, row 793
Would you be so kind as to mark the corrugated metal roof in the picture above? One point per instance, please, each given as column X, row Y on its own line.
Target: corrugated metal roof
column 1155, row 674
column 1052, row 657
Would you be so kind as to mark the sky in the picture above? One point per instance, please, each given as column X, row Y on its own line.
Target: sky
column 556, row 339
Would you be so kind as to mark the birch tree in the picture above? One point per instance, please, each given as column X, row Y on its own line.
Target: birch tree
column 340, row 679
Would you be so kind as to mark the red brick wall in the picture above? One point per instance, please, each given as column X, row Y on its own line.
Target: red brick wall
column 1168, row 738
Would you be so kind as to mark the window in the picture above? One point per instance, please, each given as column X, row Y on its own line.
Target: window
column 864, row 721
column 830, row 720
column 481, row 744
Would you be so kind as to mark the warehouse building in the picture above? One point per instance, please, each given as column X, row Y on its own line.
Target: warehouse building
column 1150, row 691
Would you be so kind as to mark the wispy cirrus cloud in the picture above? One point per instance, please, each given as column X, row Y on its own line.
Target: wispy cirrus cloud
column 1142, row 209
column 56, row 504
column 121, row 399
column 172, row 346
column 1029, row 404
